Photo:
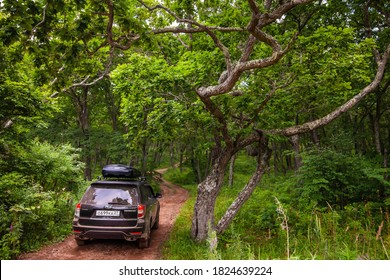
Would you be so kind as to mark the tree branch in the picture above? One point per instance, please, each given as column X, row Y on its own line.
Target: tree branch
column 274, row 88
column 250, row 44
column 201, row 27
column 84, row 82
column 231, row 77
column 309, row 126
column 34, row 29
column 130, row 38
column 233, row 72
column 187, row 30
column 114, row 44
column 268, row 18
column 216, row 112
column 272, row 92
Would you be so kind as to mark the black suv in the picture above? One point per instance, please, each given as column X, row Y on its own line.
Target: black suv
column 121, row 206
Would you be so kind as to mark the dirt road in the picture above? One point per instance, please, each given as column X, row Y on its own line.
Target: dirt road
column 171, row 202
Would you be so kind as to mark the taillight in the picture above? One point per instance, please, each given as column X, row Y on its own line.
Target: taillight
column 141, row 211
column 77, row 210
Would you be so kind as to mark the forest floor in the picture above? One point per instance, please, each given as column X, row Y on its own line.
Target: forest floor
column 171, row 203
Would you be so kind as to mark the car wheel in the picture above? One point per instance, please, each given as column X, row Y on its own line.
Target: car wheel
column 144, row 242
column 156, row 222
column 80, row 242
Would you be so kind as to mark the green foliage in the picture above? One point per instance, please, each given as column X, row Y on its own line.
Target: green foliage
column 184, row 177
column 314, row 232
column 144, row 112
column 331, row 178
column 55, row 168
column 19, row 103
column 319, row 231
column 37, row 197
column 158, row 105
column 325, row 69
column 150, row 97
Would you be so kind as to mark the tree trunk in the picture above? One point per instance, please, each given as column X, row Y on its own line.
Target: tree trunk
column 386, row 163
column 144, row 159
column 376, row 126
column 172, row 158
column 244, row 195
column 81, row 104
column 376, row 133
column 112, row 107
column 196, row 169
column 181, row 161
column 315, row 139
column 297, row 157
column 231, row 170
column 208, row 189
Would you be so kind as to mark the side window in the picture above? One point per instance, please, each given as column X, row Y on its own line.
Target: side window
column 147, row 192
column 151, row 191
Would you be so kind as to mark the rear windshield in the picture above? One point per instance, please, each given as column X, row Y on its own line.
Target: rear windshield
column 100, row 195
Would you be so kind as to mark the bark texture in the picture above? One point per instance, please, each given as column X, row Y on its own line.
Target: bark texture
column 208, row 190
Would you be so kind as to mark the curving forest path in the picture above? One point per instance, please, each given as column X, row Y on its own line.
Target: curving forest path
column 171, row 202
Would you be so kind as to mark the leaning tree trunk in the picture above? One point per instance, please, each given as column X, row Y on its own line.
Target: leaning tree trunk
column 262, row 166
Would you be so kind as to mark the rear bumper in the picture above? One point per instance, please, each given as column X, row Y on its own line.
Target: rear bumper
column 91, row 232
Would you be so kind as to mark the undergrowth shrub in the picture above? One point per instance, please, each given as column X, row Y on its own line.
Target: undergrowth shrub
column 335, row 208
column 184, row 177
column 330, row 177
column 37, row 197
column 319, row 225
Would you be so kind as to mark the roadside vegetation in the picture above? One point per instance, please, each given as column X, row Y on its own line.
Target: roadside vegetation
column 297, row 215
column 301, row 86
column 37, row 196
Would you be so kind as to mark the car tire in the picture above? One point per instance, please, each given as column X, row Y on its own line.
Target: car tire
column 81, row 242
column 144, row 243
column 156, row 222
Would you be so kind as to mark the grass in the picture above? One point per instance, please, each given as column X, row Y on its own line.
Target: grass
column 266, row 228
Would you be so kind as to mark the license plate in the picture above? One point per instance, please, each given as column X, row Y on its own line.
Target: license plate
column 107, row 213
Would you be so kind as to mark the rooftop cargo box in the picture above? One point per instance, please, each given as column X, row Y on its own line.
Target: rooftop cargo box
column 120, row 171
